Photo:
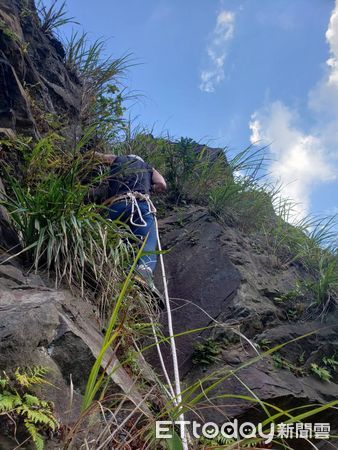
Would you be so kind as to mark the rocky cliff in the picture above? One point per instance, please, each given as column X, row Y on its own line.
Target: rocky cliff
column 35, row 85
column 221, row 278
column 223, row 282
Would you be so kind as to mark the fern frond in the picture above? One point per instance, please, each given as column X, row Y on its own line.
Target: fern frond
column 9, row 401
column 25, row 407
column 32, row 400
column 3, row 383
column 35, row 435
column 33, row 375
column 40, row 417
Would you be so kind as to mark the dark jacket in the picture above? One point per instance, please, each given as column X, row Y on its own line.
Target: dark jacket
column 129, row 174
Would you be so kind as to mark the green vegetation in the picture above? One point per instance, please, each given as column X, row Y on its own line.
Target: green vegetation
column 321, row 372
column 331, row 362
column 21, row 408
column 194, row 174
column 48, row 210
column 327, row 283
column 59, row 232
column 54, row 16
column 281, row 362
column 64, row 235
column 103, row 96
column 8, row 32
column 291, row 296
column 95, row 381
column 234, row 189
column 206, row 353
column 327, row 369
column 220, row 442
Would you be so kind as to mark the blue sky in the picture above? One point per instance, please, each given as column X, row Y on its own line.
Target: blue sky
column 231, row 72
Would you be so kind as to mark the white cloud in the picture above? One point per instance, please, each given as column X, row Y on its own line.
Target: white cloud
column 217, row 51
column 298, row 159
column 324, row 97
column 304, row 158
column 332, row 39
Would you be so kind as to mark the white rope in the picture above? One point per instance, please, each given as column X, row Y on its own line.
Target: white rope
column 171, row 391
column 172, row 338
column 177, row 399
column 134, row 204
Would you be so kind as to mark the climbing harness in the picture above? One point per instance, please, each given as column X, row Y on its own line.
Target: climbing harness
column 176, row 395
column 133, row 197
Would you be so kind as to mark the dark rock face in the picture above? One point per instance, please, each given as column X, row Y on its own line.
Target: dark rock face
column 33, row 78
column 63, row 350
column 280, row 386
column 35, row 86
column 8, row 238
column 217, row 273
column 201, row 277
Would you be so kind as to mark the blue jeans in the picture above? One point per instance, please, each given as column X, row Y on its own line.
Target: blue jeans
column 122, row 211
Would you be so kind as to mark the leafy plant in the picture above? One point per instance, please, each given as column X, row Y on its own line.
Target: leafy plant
column 8, row 32
column 292, row 295
column 225, row 443
column 95, row 381
column 330, row 362
column 304, row 241
column 265, row 343
column 18, row 403
column 180, row 162
column 206, row 353
column 328, row 367
column 283, row 363
column 229, row 185
column 321, row 372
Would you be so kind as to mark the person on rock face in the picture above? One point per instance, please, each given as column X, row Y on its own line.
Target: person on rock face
column 131, row 180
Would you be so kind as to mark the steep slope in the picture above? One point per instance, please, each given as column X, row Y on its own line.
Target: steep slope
column 223, row 281
column 219, row 277
column 35, row 87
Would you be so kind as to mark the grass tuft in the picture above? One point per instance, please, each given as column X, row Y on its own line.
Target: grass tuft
column 54, row 16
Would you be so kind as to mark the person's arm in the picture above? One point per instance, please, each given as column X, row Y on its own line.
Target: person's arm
column 158, row 182
column 105, row 158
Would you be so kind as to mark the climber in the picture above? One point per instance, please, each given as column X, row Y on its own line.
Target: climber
column 131, row 180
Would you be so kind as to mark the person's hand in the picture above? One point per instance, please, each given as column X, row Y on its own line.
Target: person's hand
column 158, row 182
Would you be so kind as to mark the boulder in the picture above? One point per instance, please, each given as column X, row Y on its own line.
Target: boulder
column 55, row 329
